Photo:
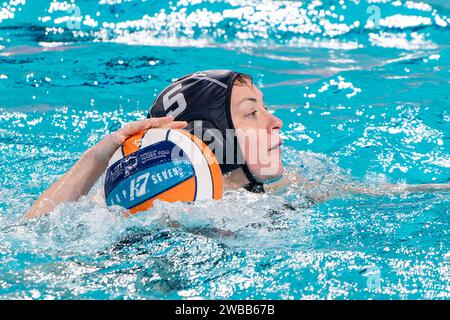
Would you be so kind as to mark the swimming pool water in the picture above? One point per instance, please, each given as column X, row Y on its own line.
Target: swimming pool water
column 361, row 86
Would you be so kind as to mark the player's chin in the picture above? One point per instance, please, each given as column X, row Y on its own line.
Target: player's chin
column 278, row 169
column 276, row 163
column 272, row 171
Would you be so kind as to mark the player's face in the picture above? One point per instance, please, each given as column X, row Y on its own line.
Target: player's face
column 258, row 132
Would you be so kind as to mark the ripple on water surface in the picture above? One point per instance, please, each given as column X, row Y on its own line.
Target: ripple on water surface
column 362, row 88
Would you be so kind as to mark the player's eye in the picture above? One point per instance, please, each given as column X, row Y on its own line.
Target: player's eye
column 253, row 114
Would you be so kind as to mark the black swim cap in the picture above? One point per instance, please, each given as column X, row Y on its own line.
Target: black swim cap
column 203, row 99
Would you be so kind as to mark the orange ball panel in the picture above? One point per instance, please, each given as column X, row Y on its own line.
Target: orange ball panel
column 132, row 144
column 183, row 192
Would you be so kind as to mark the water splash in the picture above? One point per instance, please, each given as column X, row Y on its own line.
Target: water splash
column 363, row 98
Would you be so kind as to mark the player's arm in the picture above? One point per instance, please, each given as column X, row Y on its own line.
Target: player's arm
column 323, row 194
column 389, row 189
column 83, row 175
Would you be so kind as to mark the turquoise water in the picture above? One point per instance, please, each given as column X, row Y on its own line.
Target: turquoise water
column 362, row 88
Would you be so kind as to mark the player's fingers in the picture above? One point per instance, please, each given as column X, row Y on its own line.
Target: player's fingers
column 176, row 125
column 159, row 122
column 141, row 125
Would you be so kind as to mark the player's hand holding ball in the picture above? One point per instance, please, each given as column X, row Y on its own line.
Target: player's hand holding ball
column 106, row 148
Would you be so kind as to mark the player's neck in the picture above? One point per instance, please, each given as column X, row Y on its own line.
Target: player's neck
column 234, row 180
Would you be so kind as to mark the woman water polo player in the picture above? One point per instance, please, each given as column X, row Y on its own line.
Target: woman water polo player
column 226, row 110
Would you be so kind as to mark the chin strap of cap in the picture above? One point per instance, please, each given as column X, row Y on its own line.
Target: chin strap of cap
column 254, row 185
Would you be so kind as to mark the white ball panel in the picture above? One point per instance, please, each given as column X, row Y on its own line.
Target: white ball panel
column 116, row 156
column 153, row 136
column 199, row 162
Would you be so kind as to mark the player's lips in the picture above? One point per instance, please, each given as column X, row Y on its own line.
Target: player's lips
column 277, row 146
